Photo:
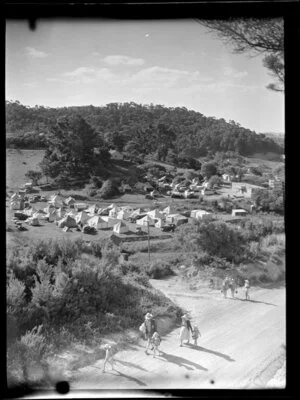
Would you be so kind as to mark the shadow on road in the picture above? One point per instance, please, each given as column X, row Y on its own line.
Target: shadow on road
column 253, row 301
column 130, row 378
column 118, row 373
column 182, row 362
column 130, row 364
column 216, row 353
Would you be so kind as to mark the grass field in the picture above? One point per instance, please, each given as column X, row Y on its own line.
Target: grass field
column 18, row 163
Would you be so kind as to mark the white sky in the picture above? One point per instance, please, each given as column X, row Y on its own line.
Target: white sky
column 173, row 63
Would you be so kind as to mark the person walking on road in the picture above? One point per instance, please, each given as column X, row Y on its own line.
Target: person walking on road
column 150, row 328
column 108, row 357
column 195, row 335
column 225, row 286
column 185, row 329
column 232, row 286
column 156, row 342
column 247, row 288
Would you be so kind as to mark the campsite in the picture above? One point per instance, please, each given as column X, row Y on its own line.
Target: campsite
column 145, row 205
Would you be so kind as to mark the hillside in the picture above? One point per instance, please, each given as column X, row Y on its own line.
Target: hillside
column 140, row 130
column 278, row 137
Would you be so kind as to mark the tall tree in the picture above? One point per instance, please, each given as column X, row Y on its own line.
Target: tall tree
column 71, row 150
column 265, row 36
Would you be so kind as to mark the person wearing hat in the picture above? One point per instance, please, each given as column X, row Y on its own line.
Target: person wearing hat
column 225, row 286
column 185, row 329
column 150, row 328
column 247, row 287
column 109, row 353
column 232, row 286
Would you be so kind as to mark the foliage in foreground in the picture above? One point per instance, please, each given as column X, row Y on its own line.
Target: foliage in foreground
column 76, row 289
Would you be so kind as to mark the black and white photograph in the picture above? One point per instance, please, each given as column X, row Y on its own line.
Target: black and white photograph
column 145, row 194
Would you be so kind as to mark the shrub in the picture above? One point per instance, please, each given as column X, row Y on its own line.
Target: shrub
column 31, row 350
column 15, row 295
column 96, row 182
column 159, row 269
column 92, row 192
column 108, row 189
column 215, row 238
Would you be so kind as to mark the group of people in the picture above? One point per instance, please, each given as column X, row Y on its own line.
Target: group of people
column 148, row 329
column 229, row 283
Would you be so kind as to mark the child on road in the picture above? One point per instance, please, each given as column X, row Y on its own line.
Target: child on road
column 196, row 333
column 109, row 356
column 247, row 288
column 156, row 342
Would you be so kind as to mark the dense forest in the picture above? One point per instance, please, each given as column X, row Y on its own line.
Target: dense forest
column 139, row 129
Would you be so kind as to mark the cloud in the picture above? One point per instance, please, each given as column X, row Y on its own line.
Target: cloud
column 85, row 75
column 233, row 73
column 144, row 81
column 32, row 52
column 30, row 84
column 159, row 77
column 219, row 87
column 89, row 74
column 123, row 60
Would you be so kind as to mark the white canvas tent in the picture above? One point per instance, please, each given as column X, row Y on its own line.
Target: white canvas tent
column 201, row 214
column 135, row 213
column 48, row 208
column 127, row 188
column 103, row 211
column 52, row 215
column 61, row 212
column 123, row 214
column 159, row 223
column 57, row 201
column 238, row 212
column 67, row 221
column 121, row 227
column 169, row 210
column 81, row 217
column 40, row 214
column 72, row 213
column 155, row 214
column 80, row 206
column 110, row 221
column 113, row 212
column 70, row 201
column 148, row 187
column 97, row 222
column 188, row 194
column 15, row 205
column 33, row 221
column 29, row 211
column 145, row 220
column 92, row 209
column 176, row 219
column 128, row 209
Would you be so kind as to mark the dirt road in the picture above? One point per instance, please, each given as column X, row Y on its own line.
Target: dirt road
column 242, row 345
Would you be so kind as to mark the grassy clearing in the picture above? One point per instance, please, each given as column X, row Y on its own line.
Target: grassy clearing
column 18, row 163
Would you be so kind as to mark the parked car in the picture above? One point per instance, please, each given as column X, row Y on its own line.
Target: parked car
column 168, row 228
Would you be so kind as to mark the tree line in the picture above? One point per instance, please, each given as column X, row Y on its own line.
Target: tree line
column 167, row 133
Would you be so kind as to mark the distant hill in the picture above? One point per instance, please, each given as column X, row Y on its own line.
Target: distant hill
column 142, row 130
column 278, row 137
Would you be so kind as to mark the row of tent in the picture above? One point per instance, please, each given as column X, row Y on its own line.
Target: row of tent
column 101, row 218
